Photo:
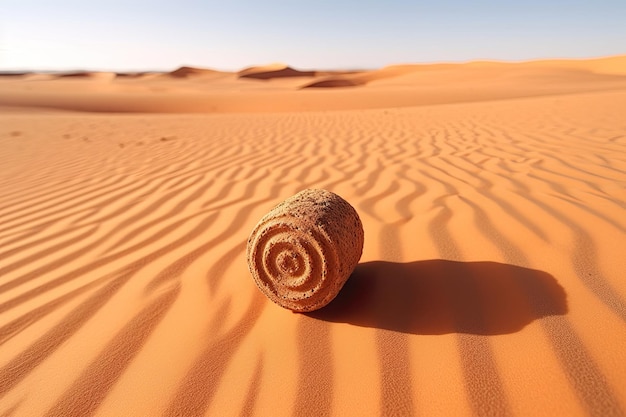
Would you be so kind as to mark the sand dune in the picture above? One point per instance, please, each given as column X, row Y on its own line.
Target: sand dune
column 184, row 72
column 273, row 71
column 280, row 71
column 363, row 78
column 283, row 89
column 491, row 280
column 339, row 81
column 87, row 74
column 533, row 74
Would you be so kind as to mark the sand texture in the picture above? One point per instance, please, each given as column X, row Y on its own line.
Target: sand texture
column 303, row 251
column 492, row 197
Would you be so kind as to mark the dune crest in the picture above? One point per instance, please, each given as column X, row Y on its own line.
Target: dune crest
column 272, row 71
column 184, row 72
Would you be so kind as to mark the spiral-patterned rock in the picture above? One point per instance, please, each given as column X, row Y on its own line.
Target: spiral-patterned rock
column 303, row 251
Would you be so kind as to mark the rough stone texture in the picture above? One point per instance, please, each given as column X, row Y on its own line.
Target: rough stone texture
column 303, row 251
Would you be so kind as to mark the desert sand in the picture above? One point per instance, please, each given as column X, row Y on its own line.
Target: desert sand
column 492, row 197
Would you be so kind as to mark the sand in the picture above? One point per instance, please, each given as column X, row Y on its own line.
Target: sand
column 492, row 196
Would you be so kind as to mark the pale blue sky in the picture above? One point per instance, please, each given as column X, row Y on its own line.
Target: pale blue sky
column 162, row 35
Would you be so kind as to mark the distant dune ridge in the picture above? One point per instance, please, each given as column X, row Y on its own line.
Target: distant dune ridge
column 491, row 282
column 273, row 71
column 278, row 87
column 184, row 72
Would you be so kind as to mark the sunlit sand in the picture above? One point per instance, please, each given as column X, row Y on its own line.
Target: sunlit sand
column 492, row 196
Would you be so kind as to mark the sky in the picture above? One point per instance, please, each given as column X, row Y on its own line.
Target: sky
column 313, row 34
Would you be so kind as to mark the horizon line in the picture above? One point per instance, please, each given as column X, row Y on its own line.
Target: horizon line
column 71, row 70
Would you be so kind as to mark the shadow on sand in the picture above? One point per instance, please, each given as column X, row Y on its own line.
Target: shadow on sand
column 440, row 297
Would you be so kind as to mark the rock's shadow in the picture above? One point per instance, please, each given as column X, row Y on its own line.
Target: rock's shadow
column 439, row 297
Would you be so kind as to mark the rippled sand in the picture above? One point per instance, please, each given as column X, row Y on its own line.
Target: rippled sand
column 491, row 282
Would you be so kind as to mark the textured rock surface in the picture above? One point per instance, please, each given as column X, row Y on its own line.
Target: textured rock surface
column 303, row 251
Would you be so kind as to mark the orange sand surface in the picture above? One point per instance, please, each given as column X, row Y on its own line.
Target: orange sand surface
column 492, row 195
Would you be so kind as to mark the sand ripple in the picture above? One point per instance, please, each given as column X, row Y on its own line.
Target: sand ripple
column 491, row 281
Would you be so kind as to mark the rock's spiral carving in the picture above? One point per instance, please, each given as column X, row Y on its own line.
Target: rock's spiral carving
column 303, row 251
